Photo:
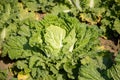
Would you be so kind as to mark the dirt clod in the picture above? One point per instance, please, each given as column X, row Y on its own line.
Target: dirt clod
column 109, row 45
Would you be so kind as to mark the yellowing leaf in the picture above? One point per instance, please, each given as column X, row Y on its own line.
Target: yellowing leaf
column 24, row 13
column 22, row 76
column 86, row 60
column 101, row 47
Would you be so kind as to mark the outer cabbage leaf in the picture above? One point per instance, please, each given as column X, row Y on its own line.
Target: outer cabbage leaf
column 3, row 74
column 17, row 44
column 69, row 41
column 35, row 39
column 61, row 7
column 39, row 5
column 114, row 71
column 24, row 31
column 24, row 12
column 86, row 35
column 116, row 25
column 89, row 73
column 23, row 65
column 94, row 67
column 5, row 13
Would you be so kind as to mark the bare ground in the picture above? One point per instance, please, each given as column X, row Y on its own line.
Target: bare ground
column 6, row 64
column 110, row 45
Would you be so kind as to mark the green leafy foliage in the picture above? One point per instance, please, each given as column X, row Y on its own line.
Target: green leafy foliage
column 113, row 72
column 95, row 67
column 60, row 46
column 3, row 74
column 99, row 12
column 38, row 5
column 54, row 48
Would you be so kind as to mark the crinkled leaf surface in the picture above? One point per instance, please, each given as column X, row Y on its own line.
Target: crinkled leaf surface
column 54, row 39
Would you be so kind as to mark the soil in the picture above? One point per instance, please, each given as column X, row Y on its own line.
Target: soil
column 110, row 45
column 6, row 64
